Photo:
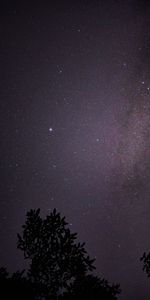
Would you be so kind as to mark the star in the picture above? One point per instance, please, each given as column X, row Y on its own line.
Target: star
column 54, row 166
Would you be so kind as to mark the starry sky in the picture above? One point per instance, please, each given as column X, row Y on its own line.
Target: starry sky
column 75, row 124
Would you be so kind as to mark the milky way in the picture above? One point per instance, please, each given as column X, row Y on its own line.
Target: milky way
column 75, row 129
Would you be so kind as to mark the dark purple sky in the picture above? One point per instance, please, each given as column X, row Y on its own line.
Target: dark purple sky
column 75, row 128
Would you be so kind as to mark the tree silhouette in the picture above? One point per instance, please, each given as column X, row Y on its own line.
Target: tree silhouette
column 59, row 265
column 55, row 259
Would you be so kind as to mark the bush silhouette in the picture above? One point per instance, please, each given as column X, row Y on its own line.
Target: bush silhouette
column 92, row 287
column 16, row 286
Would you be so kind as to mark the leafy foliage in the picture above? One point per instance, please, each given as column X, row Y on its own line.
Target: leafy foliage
column 146, row 263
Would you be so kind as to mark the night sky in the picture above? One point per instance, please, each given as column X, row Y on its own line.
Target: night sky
column 75, row 128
